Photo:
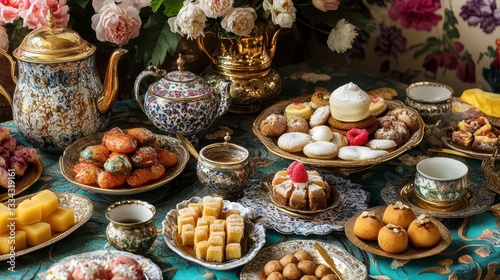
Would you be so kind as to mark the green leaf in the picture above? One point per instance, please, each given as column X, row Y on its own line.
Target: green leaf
column 449, row 25
column 156, row 40
column 432, row 44
column 155, row 5
column 172, row 7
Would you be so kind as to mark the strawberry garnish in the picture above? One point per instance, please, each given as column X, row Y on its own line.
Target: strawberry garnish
column 297, row 172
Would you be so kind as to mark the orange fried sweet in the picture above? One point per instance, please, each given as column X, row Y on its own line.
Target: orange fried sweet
column 166, row 158
column 144, row 157
column 121, row 143
column 113, row 131
column 95, row 154
column 88, row 175
column 139, row 177
column 144, row 136
column 79, row 166
column 157, row 171
column 107, row 180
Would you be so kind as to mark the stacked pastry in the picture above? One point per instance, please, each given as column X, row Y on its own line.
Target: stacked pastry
column 477, row 134
column 348, row 124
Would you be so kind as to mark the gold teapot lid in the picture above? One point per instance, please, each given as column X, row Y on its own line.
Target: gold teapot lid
column 53, row 44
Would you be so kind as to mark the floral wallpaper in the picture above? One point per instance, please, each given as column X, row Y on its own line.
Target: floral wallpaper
column 452, row 42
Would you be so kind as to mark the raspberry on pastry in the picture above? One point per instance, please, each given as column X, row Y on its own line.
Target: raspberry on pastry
column 300, row 109
column 357, row 137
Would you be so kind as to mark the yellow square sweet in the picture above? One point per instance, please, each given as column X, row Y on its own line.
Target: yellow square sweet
column 200, row 234
column 235, row 233
column 28, row 212
column 36, row 233
column 5, row 214
column 61, row 219
column 10, row 243
column 201, row 250
column 210, row 210
column 217, row 227
column 222, row 234
column 188, row 212
column 205, row 221
column 183, row 221
column 198, row 207
column 233, row 251
column 47, row 200
column 187, row 235
column 215, row 254
column 215, row 240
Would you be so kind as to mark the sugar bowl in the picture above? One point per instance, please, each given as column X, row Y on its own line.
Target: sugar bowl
column 131, row 226
column 431, row 100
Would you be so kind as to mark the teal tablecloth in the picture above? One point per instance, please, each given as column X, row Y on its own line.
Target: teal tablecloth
column 473, row 254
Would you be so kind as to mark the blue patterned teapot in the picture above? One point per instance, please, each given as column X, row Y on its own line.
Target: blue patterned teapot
column 180, row 101
column 59, row 96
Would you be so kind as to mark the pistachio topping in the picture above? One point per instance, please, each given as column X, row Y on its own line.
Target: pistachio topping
column 423, row 219
column 366, row 214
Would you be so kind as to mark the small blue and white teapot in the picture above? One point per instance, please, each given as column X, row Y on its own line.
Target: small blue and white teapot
column 180, row 101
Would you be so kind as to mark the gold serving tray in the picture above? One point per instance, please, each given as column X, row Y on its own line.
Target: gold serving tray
column 72, row 154
column 336, row 165
column 411, row 252
column 32, row 174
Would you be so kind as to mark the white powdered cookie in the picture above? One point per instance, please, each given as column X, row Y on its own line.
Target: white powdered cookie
column 382, row 144
column 321, row 150
column 294, row 142
column 321, row 133
column 320, row 116
column 359, row 153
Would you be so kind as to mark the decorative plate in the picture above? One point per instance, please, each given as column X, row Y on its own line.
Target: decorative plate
column 72, row 154
column 83, row 211
column 151, row 270
column 446, row 138
column 411, row 253
column 350, row 268
column 337, row 165
column 337, row 196
column 354, row 199
column 31, row 175
column 254, row 238
column 476, row 201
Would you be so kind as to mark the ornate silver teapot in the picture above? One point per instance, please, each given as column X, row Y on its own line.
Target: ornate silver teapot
column 180, row 101
column 58, row 96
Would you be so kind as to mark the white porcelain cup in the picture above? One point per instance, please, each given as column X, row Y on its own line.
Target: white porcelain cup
column 441, row 180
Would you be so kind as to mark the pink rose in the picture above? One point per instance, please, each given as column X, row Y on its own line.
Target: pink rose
column 9, row 10
column 417, row 14
column 216, row 8
column 4, row 39
column 117, row 24
column 240, row 21
column 34, row 12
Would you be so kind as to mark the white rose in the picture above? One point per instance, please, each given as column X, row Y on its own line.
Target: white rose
column 267, row 5
column 240, row 21
column 342, row 36
column 142, row 3
column 284, row 20
column 216, row 8
column 190, row 20
column 283, row 6
column 4, row 39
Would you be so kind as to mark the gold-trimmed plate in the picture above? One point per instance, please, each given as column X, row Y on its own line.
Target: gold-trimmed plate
column 83, row 211
column 336, row 165
column 266, row 182
column 408, row 196
column 72, row 154
column 32, row 174
column 446, row 138
column 411, row 252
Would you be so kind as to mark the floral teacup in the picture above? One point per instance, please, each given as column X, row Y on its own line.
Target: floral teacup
column 441, row 181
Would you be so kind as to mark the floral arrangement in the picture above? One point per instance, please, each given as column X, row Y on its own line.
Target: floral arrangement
column 151, row 29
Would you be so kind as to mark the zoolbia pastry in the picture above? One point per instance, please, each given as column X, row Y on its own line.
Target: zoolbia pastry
column 423, row 232
column 393, row 239
column 367, row 225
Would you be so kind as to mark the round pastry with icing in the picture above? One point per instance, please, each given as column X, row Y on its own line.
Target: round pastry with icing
column 321, row 97
column 320, row 116
column 296, row 124
column 321, row 150
column 273, row 125
column 300, row 109
column 377, row 105
column 349, row 103
column 321, row 133
column 382, row 144
column 367, row 225
column 294, row 142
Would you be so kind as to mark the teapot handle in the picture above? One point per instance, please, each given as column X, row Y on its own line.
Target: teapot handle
column 151, row 71
column 3, row 91
column 201, row 45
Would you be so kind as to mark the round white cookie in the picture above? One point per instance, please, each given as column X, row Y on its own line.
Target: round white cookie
column 294, row 142
column 382, row 144
column 321, row 133
column 360, row 153
column 320, row 116
column 321, row 150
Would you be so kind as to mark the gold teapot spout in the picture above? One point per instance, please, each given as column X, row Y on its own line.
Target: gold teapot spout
column 272, row 46
column 3, row 91
column 110, row 87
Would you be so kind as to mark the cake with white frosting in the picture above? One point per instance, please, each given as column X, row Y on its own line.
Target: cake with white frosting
column 349, row 103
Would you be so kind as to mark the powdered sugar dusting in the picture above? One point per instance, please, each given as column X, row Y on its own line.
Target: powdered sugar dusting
column 350, row 92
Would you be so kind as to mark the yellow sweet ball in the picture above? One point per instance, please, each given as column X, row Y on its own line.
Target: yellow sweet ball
column 367, row 226
column 399, row 214
column 393, row 239
column 423, row 233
